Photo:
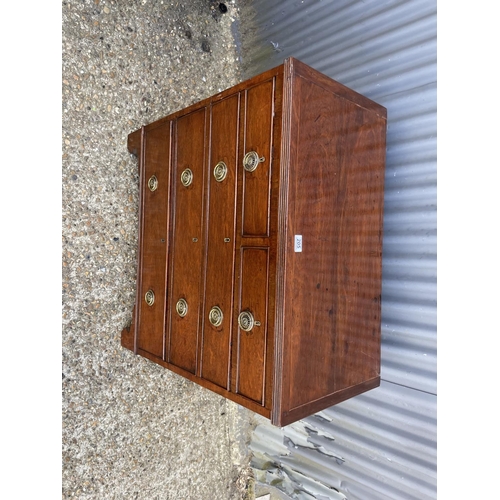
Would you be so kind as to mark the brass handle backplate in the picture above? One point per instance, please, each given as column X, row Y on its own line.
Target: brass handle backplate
column 220, row 171
column 186, row 177
column 215, row 316
column 251, row 161
column 181, row 307
column 153, row 183
column 149, row 297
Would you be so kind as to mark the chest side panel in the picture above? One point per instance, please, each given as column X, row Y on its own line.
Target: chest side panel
column 333, row 249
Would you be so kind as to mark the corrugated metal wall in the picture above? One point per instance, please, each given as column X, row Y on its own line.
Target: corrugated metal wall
column 380, row 445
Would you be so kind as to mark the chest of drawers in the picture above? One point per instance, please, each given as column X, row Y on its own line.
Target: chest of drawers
column 260, row 242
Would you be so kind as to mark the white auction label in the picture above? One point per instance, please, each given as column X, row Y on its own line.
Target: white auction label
column 298, row 243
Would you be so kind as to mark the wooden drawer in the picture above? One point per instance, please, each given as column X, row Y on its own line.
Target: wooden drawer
column 266, row 265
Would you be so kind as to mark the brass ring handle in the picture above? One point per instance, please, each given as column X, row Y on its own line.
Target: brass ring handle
column 220, row 171
column 215, row 316
column 186, row 177
column 246, row 321
column 149, row 297
column 181, row 307
column 153, row 183
column 251, row 161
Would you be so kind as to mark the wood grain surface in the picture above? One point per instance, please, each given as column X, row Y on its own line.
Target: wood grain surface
column 232, row 243
column 186, row 251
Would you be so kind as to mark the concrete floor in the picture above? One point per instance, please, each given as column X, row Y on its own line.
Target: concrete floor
column 131, row 429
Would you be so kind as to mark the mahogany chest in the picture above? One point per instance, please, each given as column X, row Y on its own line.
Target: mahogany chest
column 260, row 242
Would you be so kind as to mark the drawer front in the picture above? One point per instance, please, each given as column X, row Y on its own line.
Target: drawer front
column 252, row 323
column 187, row 240
column 154, row 233
column 217, row 316
column 256, row 158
